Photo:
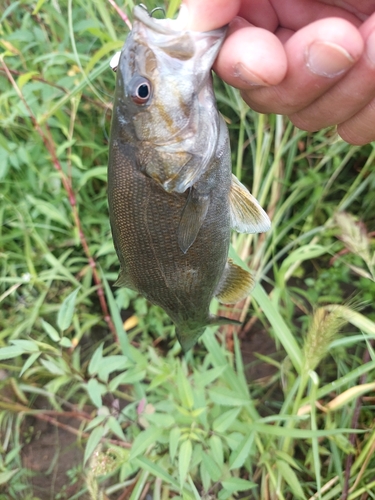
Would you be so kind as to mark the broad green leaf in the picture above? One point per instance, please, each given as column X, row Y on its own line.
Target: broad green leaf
column 66, row 311
column 10, row 352
column 51, row 212
column 6, row 476
column 234, row 484
column 174, row 437
column 25, row 345
column 129, row 377
column 240, row 454
column 30, row 361
column 97, row 173
column 53, row 366
column 216, row 445
column 95, row 390
column 65, row 342
column 161, row 419
column 96, row 421
column 225, row 420
column 184, row 457
column 96, row 360
column 211, row 467
column 290, row 478
column 205, row 476
column 115, row 427
column 227, row 397
column 144, row 440
column 109, row 365
column 207, row 377
column 51, row 331
column 13, row 6
column 93, row 442
column 156, row 470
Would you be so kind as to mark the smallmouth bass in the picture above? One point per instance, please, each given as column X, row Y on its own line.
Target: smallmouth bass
column 172, row 196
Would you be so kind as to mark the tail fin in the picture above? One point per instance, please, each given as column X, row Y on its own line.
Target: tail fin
column 188, row 339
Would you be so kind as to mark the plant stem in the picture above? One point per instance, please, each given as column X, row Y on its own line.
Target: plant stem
column 50, row 146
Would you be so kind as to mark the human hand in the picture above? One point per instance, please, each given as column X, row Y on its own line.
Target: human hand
column 309, row 60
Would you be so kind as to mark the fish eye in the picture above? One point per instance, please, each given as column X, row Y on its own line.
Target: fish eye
column 140, row 90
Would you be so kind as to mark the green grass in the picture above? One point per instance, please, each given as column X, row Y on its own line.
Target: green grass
column 195, row 426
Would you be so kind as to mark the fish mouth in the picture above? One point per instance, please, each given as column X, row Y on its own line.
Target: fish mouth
column 169, row 36
column 165, row 26
column 162, row 26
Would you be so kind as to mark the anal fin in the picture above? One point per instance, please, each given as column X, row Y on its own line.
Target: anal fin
column 192, row 219
column 247, row 216
column 235, row 284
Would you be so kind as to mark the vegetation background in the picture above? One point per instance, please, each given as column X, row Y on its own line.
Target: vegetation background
column 94, row 404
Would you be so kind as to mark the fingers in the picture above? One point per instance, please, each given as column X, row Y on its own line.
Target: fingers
column 295, row 14
column 250, row 57
column 347, row 98
column 360, row 128
column 201, row 15
column 318, row 57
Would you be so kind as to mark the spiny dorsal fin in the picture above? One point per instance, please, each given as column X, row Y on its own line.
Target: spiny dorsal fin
column 235, row 284
column 247, row 216
column 192, row 219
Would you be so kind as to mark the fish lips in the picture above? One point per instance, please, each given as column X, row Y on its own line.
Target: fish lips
column 166, row 35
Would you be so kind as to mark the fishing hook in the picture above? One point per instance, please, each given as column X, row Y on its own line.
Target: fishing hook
column 153, row 10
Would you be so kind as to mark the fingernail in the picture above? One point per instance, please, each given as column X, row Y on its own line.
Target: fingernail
column 370, row 47
column 243, row 73
column 328, row 59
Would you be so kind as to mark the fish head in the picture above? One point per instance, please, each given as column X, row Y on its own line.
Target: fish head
column 164, row 97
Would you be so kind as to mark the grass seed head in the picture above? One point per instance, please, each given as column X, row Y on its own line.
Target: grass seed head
column 324, row 328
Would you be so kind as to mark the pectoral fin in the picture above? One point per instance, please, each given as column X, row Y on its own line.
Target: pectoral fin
column 192, row 219
column 247, row 216
column 235, row 284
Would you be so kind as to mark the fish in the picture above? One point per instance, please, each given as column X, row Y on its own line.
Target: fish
column 173, row 199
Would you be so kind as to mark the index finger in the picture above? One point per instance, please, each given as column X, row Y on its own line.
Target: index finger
column 201, row 15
